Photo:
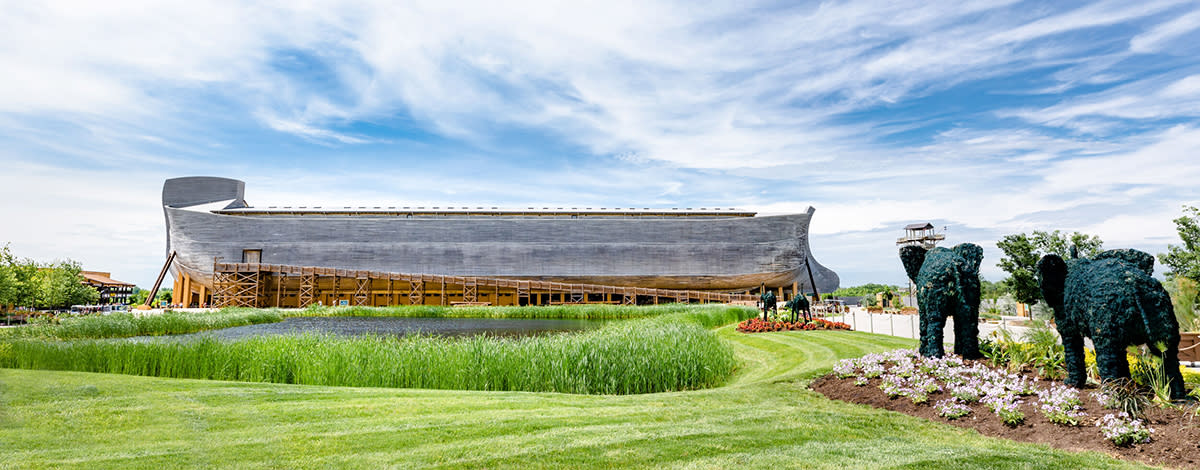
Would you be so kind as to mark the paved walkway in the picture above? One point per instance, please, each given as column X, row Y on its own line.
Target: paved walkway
column 909, row 326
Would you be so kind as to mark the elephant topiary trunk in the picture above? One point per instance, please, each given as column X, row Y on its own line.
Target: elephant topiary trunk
column 947, row 283
column 1112, row 299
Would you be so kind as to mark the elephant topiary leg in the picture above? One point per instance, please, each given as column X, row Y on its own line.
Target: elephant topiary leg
column 931, row 335
column 1110, row 359
column 1073, row 357
column 1170, row 359
column 966, row 336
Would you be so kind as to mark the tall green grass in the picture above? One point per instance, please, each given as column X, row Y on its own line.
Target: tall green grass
column 122, row 325
column 671, row 351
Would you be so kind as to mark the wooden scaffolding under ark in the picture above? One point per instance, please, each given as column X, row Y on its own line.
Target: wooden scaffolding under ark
column 273, row 285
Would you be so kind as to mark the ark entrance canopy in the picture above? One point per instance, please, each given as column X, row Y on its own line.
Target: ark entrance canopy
column 702, row 249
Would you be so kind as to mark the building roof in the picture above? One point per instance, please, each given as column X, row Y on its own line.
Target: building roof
column 97, row 277
column 396, row 211
column 919, row 226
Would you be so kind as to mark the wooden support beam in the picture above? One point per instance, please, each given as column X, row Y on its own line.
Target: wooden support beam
column 362, row 286
column 187, row 290
column 308, row 287
column 416, row 292
column 470, row 289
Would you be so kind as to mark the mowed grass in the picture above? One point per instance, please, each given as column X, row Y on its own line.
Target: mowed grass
column 667, row 352
column 764, row 418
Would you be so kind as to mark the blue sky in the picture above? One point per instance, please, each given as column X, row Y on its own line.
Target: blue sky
column 985, row 117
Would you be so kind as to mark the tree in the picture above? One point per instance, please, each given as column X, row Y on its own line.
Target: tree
column 138, row 296
column 865, row 289
column 1185, row 260
column 60, row 285
column 1022, row 252
column 992, row 290
column 1060, row 244
column 163, row 295
column 8, row 280
column 17, row 285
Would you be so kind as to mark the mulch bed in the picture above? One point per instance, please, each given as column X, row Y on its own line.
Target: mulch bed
column 1175, row 442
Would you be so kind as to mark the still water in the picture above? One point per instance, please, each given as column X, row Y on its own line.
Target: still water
column 399, row 326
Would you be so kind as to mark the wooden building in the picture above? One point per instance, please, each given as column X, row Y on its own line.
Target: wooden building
column 703, row 250
column 111, row 290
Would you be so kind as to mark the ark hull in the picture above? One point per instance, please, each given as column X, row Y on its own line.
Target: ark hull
column 207, row 220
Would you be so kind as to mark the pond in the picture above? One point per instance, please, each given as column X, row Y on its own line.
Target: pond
column 399, row 326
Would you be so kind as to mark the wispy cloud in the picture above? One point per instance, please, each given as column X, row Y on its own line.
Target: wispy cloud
column 986, row 115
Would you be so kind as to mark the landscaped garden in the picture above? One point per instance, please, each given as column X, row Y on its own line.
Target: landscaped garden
column 759, row 415
column 1017, row 394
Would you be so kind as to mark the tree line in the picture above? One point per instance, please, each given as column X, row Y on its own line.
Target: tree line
column 27, row 283
column 1182, row 262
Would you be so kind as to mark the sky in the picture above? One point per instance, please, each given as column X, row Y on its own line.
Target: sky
column 985, row 118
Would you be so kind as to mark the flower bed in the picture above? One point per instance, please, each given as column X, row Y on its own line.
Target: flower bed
column 758, row 325
column 1001, row 403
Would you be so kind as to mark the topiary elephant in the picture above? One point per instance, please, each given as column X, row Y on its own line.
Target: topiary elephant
column 1112, row 299
column 947, row 283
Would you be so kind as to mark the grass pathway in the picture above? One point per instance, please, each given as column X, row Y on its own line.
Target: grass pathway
column 765, row 418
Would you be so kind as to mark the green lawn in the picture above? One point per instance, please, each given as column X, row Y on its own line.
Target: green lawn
column 765, row 418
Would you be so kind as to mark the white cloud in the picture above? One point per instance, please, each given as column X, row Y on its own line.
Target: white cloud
column 758, row 106
column 1156, row 39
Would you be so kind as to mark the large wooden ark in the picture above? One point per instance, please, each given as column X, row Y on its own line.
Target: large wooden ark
column 215, row 235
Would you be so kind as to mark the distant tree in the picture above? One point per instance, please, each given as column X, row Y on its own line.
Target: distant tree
column 20, row 286
column 865, row 289
column 163, row 295
column 1022, row 252
column 138, row 296
column 60, row 285
column 868, row 300
column 993, row 290
column 1185, row 260
column 8, row 280
column 1060, row 244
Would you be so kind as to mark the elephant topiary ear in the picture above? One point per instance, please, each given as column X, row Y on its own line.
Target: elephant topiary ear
column 1052, row 277
column 912, row 257
column 972, row 253
column 1139, row 259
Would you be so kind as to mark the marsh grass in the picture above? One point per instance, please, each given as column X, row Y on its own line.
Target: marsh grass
column 670, row 351
column 124, row 325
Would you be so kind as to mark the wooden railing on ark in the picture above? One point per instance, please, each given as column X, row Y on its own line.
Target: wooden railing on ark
column 273, row 285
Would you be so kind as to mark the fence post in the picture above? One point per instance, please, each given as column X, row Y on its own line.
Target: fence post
column 871, row 320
